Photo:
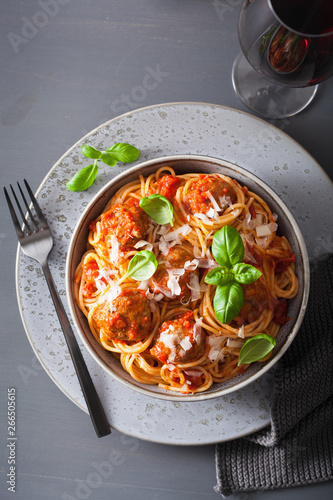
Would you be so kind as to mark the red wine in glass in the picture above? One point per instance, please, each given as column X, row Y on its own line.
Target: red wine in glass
column 288, row 42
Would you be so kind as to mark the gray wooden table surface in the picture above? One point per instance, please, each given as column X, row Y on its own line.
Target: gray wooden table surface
column 66, row 67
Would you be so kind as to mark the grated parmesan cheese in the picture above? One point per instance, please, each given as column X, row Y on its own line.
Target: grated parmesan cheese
column 207, row 263
column 164, row 246
column 212, row 214
column 202, row 217
column 240, row 332
column 163, row 229
column 215, row 343
column 197, row 331
column 191, row 265
column 183, row 230
column 216, row 207
column 248, row 222
column 114, row 251
column 111, row 295
column 143, row 285
column 225, row 200
column 196, row 252
column 263, row 230
column 185, row 344
column 171, row 238
column 173, row 283
column 104, row 273
column 237, row 344
column 170, row 340
column 195, row 287
column 143, row 243
column 154, row 296
column 175, row 271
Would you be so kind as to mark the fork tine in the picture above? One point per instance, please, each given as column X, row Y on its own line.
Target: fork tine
column 36, row 206
column 27, row 206
column 21, row 211
column 17, row 226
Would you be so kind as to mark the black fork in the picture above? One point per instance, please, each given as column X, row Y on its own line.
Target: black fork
column 36, row 242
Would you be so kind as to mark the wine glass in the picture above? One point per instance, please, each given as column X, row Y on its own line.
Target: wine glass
column 288, row 49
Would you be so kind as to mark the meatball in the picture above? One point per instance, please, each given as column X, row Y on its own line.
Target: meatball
column 175, row 259
column 200, row 191
column 128, row 317
column 126, row 221
column 256, row 298
column 178, row 341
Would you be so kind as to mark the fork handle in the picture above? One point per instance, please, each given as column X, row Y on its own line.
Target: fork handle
column 95, row 408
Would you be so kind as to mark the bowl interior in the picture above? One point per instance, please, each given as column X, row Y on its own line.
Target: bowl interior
column 286, row 226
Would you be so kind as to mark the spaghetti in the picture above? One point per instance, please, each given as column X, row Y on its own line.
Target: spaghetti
column 164, row 330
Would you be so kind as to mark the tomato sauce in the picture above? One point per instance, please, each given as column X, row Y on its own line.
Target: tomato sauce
column 253, row 256
column 167, row 186
column 160, row 352
column 193, row 378
column 285, row 258
column 92, row 225
column 281, row 312
column 282, row 264
column 90, row 272
column 252, row 211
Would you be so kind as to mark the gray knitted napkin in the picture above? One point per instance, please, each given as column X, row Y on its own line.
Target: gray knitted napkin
column 297, row 448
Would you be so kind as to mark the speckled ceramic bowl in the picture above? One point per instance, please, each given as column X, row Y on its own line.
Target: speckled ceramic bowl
column 287, row 226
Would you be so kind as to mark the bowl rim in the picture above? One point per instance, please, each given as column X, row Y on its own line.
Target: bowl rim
column 168, row 395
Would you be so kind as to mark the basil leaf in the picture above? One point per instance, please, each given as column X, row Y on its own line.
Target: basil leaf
column 158, row 207
column 142, row 266
column 219, row 276
column 123, row 152
column 227, row 246
column 228, row 301
column 256, row 348
column 108, row 159
column 245, row 273
column 90, row 152
column 83, row 178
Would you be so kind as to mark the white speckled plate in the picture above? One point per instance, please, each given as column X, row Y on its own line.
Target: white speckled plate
column 178, row 128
